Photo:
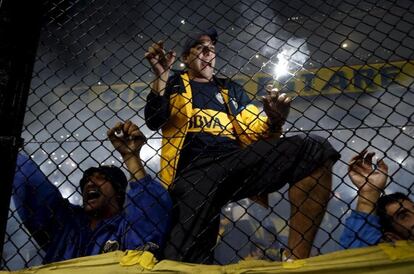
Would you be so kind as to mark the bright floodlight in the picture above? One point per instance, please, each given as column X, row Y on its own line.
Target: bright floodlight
column 282, row 65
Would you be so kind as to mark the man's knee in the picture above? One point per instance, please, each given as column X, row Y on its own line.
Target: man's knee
column 319, row 149
column 320, row 178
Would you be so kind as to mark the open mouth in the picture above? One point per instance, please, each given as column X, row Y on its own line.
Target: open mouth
column 92, row 194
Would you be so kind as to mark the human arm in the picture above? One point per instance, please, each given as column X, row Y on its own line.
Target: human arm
column 362, row 227
column 253, row 125
column 369, row 182
column 147, row 212
column 157, row 111
column 276, row 106
column 161, row 63
column 157, row 105
column 128, row 140
column 148, row 204
column 38, row 202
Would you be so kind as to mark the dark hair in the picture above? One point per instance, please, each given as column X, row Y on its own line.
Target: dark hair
column 114, row 175
column 194, row 37
column 381, row 209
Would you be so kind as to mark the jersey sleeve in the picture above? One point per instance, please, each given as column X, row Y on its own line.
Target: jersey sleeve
column 147, row 211
column 38, row 202
column 252, row 122
column 361, row 230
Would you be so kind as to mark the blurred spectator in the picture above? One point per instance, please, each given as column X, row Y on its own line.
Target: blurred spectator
column 245, row 239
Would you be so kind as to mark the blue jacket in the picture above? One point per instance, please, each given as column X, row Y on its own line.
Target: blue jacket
column 62, row 229
column 361, row 230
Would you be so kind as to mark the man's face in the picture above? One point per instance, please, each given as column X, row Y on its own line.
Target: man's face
column 201, row 59
column 402, row 214
column 99, row 196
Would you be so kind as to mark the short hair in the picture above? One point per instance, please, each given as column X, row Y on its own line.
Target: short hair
column 386, row 220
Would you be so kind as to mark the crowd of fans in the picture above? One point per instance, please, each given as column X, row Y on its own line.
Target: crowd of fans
column 217, row 148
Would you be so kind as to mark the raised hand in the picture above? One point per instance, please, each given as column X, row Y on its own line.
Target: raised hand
column 126, row 138
column 369, row 181
column 364, row 176
column 276, row 106
column 159, row 59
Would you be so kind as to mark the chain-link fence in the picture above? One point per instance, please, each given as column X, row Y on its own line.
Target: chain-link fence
column 348, row 64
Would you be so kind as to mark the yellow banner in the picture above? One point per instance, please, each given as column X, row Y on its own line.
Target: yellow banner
column 327, row 80
column 334, row 80
column 381, row 259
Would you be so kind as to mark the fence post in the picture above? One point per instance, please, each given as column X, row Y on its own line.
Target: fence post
column 19, row 34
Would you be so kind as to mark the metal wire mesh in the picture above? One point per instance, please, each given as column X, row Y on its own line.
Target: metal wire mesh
column 347, row 63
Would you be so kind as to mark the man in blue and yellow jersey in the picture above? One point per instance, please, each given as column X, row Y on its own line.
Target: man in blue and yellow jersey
column 217, row 148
